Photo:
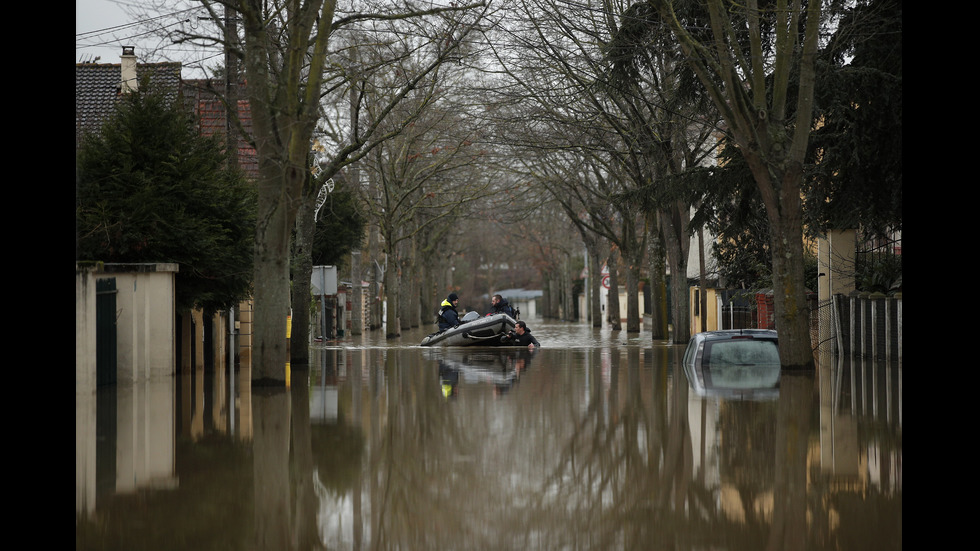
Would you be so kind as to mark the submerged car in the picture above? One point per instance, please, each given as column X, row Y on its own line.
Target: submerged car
column 734, row 363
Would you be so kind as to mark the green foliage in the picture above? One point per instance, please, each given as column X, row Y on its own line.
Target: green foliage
column 150, row 188
column 728, row 205
column 744, row 261
column 878, row 273
column 855, row 156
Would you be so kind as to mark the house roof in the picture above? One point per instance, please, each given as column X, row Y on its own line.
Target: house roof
column 98, row 89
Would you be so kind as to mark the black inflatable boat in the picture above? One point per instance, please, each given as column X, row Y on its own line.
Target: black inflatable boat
column 473, row 330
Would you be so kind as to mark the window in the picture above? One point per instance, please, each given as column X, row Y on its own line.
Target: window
column 737, row 352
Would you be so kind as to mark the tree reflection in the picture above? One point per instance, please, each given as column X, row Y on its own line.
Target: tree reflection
column 789, row 529
column 304, row 526
column 589, row 448
column 626, row 475
column 270, row 452
column 595, row 448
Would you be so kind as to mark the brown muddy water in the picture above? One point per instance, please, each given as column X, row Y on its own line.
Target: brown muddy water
column 595, row 441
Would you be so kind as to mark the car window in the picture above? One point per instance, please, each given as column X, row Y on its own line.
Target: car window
column 742, row 352
column 689, row 354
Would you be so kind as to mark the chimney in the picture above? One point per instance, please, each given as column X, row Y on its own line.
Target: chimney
column 128, row 62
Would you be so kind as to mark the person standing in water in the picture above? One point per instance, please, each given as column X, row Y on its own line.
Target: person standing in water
column 520, row 336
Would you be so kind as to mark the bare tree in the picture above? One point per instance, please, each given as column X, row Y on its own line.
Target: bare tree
column 429, row 176
column 634, row 129
column 747, row 65
column 285, row 46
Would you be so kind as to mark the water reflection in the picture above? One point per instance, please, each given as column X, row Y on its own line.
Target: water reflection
column 499, row 367
column 734, row 382
column 596, row 440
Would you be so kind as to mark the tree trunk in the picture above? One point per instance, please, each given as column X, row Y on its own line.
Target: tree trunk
column 784, row 210
column 273, row 232
column 413, row 312
column 634, row 260
column 393, row 297
column 567, row 286
column 678, row 245
column 556, row 292
column 299, row 350
column 375, row 279
column 406, row 288
column 545, row 295
column 659, row 318
column 615, row 318
column 595, row 286
column 789, row 296
column 431, row 277
column 405, row 291
column 357, row 295
column 271, row 284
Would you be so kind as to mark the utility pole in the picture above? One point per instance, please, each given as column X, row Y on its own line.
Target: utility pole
column 231, row 84
column 357, row 296
column 231, row 142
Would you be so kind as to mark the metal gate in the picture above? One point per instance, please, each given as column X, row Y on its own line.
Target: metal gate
column 105, row 331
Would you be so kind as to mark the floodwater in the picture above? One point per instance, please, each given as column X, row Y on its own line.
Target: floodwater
column 595, row 441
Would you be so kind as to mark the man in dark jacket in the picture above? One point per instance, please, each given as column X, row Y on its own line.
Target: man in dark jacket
column 448, row 316
column 499, row 305
column 520, row 336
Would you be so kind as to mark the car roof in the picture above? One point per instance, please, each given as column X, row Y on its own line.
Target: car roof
column 731, row 333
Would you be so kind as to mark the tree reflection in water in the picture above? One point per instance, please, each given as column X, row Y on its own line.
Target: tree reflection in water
column 593, row 446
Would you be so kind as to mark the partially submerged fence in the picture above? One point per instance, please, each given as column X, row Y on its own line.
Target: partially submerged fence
column 865, row 325
column 868, row 325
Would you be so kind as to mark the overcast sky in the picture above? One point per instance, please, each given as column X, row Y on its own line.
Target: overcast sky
column 100, row 25
column 102, row 28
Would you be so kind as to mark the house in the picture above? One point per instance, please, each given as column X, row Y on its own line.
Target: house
column 207, row 99
column 99, row 87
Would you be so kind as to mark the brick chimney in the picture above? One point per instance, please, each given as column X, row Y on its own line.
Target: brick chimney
column 128, row 63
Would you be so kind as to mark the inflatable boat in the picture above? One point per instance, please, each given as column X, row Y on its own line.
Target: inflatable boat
column 473, row 331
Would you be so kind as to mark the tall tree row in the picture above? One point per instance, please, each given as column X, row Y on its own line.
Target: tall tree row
column 441, row 116
column 286, row 48
column 611, row 124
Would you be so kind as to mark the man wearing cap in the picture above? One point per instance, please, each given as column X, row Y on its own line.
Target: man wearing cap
column 448, row 316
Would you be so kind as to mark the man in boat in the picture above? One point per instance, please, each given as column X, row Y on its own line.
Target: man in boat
column 448, row 316
column 520, row 336
column 499, row 305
